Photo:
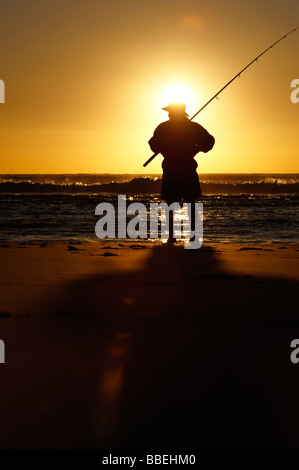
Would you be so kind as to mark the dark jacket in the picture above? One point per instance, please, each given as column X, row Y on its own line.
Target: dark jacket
column 179, row 141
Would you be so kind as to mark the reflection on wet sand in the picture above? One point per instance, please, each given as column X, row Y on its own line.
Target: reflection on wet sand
column 110, row 386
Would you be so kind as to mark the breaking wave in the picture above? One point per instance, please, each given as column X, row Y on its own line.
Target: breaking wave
column 148, row 185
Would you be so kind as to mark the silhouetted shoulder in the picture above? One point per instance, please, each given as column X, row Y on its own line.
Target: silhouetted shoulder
column 184, row 136
column 161, row 127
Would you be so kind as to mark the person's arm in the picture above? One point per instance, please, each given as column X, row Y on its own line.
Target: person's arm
column 205, row 141
column 157, row 142
column 154, row 144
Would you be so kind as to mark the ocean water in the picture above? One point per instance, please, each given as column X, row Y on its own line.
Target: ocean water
column 238, row 208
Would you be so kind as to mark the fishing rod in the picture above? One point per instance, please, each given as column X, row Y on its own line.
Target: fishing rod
column 220, row 91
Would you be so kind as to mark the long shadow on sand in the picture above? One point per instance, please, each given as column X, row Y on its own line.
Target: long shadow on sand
column 179, row 354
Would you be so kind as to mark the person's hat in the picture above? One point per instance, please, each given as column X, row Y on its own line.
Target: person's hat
column 176, row 107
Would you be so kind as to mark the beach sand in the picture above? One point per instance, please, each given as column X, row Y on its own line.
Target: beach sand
column 139, row 345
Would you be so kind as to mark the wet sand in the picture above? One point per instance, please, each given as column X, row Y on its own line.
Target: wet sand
column 148, row 346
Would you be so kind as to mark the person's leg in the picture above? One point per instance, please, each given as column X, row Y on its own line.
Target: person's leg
column 191, row 204
column 193, row 217
column 171, row 238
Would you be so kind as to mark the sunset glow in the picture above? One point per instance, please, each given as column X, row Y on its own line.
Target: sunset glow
column 177, row 93
column 85, row 84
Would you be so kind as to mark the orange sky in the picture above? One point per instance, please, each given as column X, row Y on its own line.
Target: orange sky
column 84, row 80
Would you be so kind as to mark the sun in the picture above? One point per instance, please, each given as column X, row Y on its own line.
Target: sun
column 176, row 93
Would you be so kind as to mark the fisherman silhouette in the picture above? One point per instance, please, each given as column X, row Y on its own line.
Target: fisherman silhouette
column 179, row 140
